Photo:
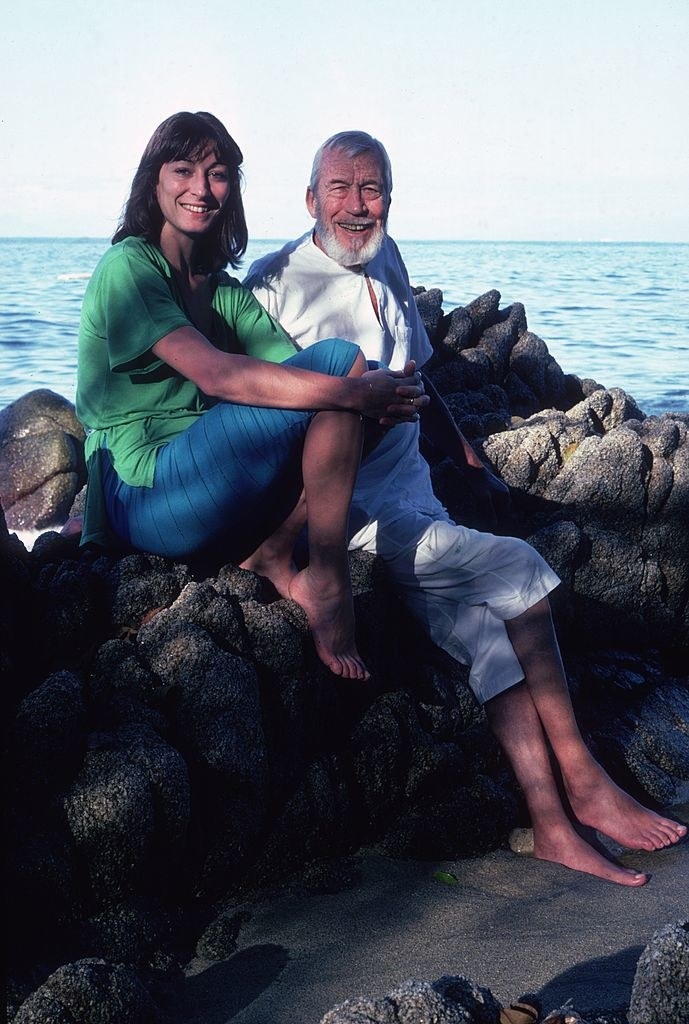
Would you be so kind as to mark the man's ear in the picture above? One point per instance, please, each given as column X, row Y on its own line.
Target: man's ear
column 310, row 201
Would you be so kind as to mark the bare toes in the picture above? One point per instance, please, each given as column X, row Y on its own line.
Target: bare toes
column 335, row 665
column 664, row 833
column 638, row 878
column 673, row 830
column 355, row 669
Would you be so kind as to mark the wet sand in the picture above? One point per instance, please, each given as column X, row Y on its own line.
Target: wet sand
column 512, row 924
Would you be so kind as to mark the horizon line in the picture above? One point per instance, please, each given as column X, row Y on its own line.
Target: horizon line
column 397, row 238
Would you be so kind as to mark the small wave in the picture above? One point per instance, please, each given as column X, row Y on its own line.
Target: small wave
column 76, row 276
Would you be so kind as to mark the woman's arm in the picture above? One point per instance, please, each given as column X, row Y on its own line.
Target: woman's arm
column 380, row 394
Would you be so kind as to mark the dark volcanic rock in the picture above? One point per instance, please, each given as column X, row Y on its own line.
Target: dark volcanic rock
column 430, row 304
column 128, row 814
column 174, row 743
column 452, row 999
column 615, row 489
column 661, row 983
column 90, row 992
column 484, row 311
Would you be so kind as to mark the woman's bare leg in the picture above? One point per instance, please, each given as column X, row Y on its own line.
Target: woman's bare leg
column 330, row 463
column 524, row 717
column 274, row 558
column 332, row 451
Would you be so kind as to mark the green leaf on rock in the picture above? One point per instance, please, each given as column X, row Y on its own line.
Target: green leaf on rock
column 446, row 877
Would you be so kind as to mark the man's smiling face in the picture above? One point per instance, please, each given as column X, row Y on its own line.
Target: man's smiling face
column 350, row 206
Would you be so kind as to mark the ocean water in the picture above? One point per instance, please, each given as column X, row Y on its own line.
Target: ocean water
column 616, row 312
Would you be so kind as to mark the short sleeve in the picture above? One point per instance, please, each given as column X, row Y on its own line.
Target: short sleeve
column 257, row 333
column 134, row 305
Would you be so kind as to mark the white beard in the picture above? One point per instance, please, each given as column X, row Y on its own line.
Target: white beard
column 349, row 255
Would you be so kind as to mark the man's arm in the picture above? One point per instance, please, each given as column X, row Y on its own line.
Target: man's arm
column 491, row 495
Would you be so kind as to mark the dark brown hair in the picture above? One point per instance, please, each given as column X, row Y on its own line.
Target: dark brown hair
column 187, row 136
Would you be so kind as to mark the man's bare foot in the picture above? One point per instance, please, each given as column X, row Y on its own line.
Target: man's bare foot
column 331, row 619
column 564, row 846
column 599, row 803
column 279, row 570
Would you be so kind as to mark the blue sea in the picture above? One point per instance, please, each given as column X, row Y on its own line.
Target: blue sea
column 616, row 312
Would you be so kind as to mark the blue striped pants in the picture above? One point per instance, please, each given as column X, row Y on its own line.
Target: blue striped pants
column 226, row 483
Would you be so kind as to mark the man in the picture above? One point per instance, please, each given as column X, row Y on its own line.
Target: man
column 481, row 597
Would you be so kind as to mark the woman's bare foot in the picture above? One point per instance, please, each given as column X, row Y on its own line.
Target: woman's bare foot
column 564, row 846
column 73, row 527
column 331, row 619
column 599, row 803
column 278, row 568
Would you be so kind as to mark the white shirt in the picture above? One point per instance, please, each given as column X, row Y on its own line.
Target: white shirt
column 313, row 297
column 394, row 512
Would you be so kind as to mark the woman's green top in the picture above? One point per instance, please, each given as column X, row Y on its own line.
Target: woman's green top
column 129, row 400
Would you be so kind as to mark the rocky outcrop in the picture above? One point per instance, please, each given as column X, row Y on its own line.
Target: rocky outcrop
column 41, row 460
column 608, row 498
column 599, row 489
column 452, row 998
column 90, row 992
column 661, row 982
column 175, row 745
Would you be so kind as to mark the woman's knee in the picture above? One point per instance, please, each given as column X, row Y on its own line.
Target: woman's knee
column 359, row 366
column 330, row 355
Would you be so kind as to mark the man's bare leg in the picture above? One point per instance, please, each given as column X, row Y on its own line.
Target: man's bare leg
column 514, row 720
column 594, row 798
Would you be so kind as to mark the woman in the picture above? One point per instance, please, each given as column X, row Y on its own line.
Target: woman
column 199, row 436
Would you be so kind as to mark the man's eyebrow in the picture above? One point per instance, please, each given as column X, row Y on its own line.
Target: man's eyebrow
column 346, row 181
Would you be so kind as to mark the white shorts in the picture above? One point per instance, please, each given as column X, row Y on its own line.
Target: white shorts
column 461, row 584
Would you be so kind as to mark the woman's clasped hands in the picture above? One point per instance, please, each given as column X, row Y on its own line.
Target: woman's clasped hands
column 394, row 396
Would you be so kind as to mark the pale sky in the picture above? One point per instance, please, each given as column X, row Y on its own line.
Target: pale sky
column 512, row 120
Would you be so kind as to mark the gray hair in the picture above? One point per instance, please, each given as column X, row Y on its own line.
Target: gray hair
column 353, row 144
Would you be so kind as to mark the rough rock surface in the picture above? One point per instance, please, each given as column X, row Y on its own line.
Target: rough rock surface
column 41, row 460
column 175, row 745
column 608, row 493
column 452, row 999
column 89, row 992
column 661, row 983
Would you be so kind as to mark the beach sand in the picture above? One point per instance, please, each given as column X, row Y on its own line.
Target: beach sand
column 512, row 924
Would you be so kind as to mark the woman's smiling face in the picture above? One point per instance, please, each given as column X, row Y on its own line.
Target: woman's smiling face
column 191, row 193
